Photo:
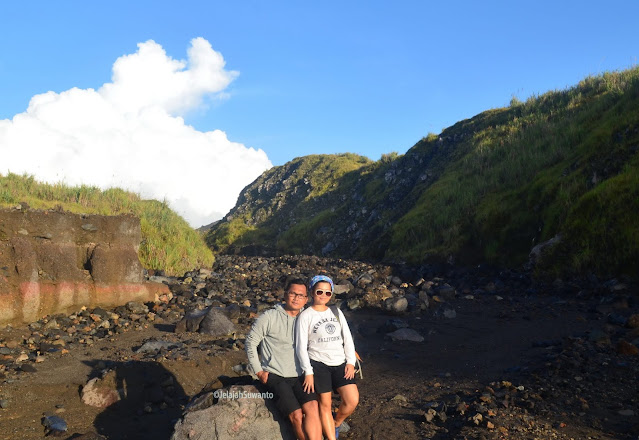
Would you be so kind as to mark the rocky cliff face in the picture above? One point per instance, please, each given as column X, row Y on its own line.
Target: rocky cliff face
column 55, row 262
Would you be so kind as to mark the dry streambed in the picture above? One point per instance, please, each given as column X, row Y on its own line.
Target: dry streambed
column 447, row 354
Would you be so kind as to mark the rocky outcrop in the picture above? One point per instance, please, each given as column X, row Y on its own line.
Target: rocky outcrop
column 56, row 262
column 241, row 412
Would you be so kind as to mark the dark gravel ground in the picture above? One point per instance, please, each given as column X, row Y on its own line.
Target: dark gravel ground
column 502, row 356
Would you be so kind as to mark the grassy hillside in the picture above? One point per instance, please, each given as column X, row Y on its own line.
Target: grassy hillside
column 169, row 243
column 486, row 189
column 282, row 208
column 564, row 163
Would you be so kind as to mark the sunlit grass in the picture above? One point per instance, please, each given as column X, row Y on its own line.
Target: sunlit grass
column 168, row 242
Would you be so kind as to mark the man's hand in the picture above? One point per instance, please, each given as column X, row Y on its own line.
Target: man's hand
column 309, row 384
column 349, row 371
column 262, row 376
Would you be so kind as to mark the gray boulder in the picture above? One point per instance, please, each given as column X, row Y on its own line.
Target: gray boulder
column 212, row 321
column 397, row 305
column 241, row 413
column 216, row 323
column 446, row 292
column 406, row 334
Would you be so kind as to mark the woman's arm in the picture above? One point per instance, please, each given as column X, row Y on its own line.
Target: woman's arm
column 349, row 344
column 302, row 325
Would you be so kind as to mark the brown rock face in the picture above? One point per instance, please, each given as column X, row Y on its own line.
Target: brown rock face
column 54, row 262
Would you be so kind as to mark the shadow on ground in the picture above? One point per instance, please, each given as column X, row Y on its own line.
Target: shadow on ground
column 151, row 401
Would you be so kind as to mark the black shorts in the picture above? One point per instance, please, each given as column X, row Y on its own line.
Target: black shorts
column 289, row 392
column 329, row 378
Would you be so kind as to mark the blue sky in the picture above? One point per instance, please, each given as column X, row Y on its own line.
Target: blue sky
column 324, row 77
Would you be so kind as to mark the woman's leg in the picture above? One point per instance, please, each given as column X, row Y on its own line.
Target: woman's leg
column 349, row 399
column 326, row 416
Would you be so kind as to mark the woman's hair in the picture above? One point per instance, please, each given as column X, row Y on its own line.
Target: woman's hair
column 320, row 279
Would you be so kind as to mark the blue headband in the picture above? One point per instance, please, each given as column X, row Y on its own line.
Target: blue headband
column 318, row 279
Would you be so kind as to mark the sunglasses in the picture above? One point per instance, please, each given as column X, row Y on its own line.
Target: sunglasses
column 323, row 292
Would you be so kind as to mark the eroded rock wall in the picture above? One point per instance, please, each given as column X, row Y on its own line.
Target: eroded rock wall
column 55, row 262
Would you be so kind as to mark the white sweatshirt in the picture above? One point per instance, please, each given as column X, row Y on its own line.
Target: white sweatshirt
column 323, row 337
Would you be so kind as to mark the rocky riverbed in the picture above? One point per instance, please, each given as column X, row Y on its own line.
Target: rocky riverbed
column 448, row 353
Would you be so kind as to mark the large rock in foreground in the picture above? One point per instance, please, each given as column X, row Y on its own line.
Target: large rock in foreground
column 241, row 413
column 56, row 262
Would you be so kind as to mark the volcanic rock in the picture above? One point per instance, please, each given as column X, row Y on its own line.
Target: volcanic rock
column 241, row 412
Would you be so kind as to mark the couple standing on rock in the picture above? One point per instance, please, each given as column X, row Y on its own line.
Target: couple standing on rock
column 304, row 356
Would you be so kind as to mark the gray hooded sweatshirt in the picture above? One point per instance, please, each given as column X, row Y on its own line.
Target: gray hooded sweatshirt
column 273, row 335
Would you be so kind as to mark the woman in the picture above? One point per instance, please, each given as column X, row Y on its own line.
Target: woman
column 325, row 349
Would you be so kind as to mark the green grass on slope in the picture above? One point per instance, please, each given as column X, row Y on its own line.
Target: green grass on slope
column 168, row 242
column 527, row 174
column 322, row 174
column 602, row 228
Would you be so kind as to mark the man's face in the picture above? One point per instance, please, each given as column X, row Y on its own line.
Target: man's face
column 296, row 297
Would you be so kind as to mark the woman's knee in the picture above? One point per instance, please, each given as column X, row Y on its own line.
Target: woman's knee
column 325, row 401
column 349, row 396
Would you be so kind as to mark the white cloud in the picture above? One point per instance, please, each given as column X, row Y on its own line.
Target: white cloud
column 129, row 133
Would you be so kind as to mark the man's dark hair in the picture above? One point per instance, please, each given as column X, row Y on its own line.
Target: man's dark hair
column 292, row 281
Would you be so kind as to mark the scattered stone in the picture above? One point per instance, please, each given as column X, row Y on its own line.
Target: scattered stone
column 627, row 413
column 28, row 368
column 397, row 305
column 54, row 425
column 212, row 321
column 599, row 337
column 137, row 308
column 626, row 348
column 215, row 323
column 4, row 403
column 102, row 393
column 447, row 292
column 191, row 321
column 619, row 320
column 445, row 310
column 343, row 287
column 353, row 303
column 155, row 346
column 406, row 334
column 89, row 227
column 399, row 398
column 393, row 324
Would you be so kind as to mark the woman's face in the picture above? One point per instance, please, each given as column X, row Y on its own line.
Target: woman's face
column 323, row 298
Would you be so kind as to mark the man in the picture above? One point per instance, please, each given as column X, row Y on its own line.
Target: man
column 279, row 369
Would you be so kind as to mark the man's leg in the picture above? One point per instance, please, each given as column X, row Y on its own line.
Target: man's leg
column 349, row 399
column 297, row 418
column 287, row 402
